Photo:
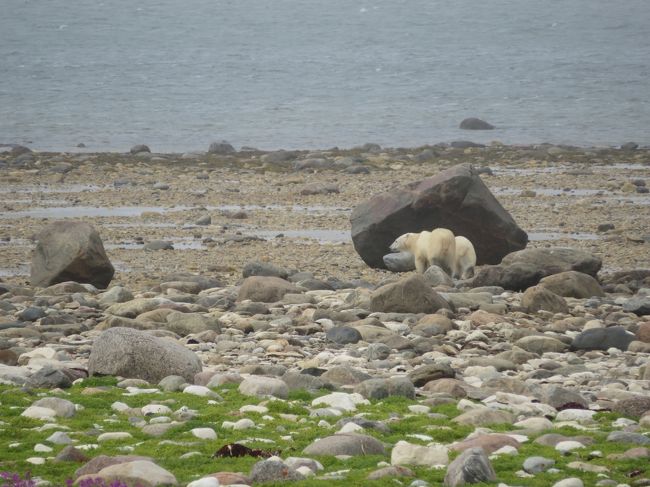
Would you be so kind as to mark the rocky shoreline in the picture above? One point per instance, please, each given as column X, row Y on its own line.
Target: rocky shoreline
column 240, row 319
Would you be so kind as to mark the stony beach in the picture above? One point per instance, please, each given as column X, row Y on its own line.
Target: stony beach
column 242, row 339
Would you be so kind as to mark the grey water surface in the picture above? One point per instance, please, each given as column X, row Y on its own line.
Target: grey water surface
column 178, row 75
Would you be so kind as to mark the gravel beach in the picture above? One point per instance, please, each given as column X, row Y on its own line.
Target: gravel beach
column 241, row 318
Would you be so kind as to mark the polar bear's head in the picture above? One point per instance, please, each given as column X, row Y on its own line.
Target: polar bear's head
column 403, row 242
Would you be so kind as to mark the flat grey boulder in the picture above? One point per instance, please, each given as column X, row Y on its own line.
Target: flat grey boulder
column 70, row 251
column 346, row 444
column 409, row 295
column 134, row 354
column 399, row 261
column 455, row 198
column 554, row 260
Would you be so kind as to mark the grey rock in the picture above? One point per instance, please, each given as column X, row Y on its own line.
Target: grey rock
column 31, row 313
column 572, row 284
column 378, row 351
column 156, row 245
column 204, row 220
column 273, row 471
column 261, row 386
column 455, row 198
column 516, row 277
column 173, row 383
column 429, row 372
column 134, row 354
column 628, row 437
column 535, row 465
column 263, row 269
column 639, row 305
column 538, row 298
column 603, row 338
column 409, row 295
column 266, row 289
column 139, row 148
column 50, row 378
column 465, row 144
column 71, row 454
column 381, row 388
column 346, row 444
column 319, row 188
column 62, row 407
column 399, row 261
column 70, row 251
column 470, row 467
column 540, row 344
column 341, row 376
column 561, row 398
column 435, row 276
column 222, row 147
column 343, row 335
column 633, row 407
column 473, row 123
column 299, row 381
column 554, row 260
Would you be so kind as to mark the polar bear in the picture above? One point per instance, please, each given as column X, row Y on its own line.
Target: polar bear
column 465, row 259
column 436, row 247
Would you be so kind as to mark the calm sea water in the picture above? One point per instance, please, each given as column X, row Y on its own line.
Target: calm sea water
column 178, row 75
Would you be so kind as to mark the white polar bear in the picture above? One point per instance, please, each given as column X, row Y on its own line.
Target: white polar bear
column 465, row 260
column 436, row 247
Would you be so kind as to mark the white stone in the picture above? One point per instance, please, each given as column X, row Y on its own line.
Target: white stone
column 244, row 424
column 227, row 425
column 584, row 416
column 341, row 400
column 136, row 391
column 305, row 471
column 59, row 438
column 38, row 353
column 205, row 482
column 119, row 406
column 570, row 482
column 350, row 427
column 252, row 408
column 113, row 436
column 565, row 447
column 419, row 409
column 200, row 391
column 405, row 453
column 505, row 450
column 37, row 412
column 204, row 433
column 623, row 422
column 40, row 448
column 535, row 424
column 155, row 409
column 36, row 460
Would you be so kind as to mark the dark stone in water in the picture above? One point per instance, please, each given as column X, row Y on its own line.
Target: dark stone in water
column 475, row 124
column 222, row 147
column 139, row 148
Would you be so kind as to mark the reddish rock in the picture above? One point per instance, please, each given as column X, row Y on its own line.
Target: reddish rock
column 490, row 443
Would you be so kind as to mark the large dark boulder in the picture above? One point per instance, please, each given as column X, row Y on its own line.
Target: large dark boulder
column 70, row 251
column 456, row 199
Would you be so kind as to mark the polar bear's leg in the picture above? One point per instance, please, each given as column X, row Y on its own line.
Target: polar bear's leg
column 421, row 263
